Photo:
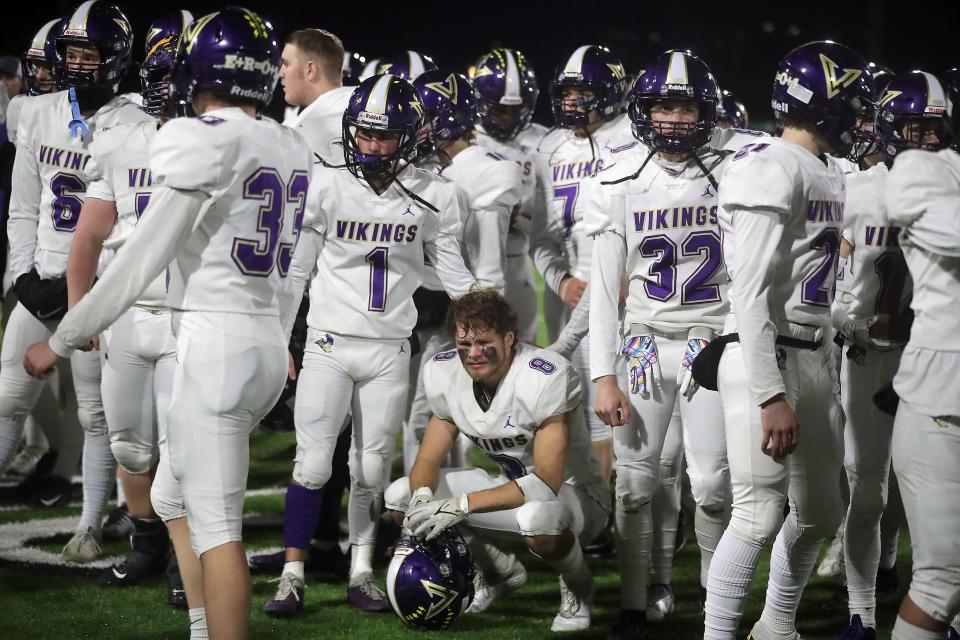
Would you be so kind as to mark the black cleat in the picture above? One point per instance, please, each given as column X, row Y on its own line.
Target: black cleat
column 604, row 545
column 329, row 561
column 887, row 579
column 147, row 557
column 51, row 491
column 176, row 594
column 119, row 524
column 631, row 625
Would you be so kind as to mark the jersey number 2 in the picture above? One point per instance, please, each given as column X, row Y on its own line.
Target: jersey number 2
column 662, row 284
column 257, row 256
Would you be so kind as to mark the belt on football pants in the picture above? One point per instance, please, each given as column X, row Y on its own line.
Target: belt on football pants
column 701, row 333
column 707, row 362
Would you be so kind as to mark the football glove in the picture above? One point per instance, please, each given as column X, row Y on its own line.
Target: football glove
column 689, row 386
column 45, row 299
column 430, row 519
column 641, row 354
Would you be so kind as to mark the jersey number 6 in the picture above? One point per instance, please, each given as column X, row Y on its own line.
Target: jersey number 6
column 257, row 257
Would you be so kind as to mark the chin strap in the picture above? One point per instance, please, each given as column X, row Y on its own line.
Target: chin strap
column 634, row 175
column 78, row 125
column 394, row 179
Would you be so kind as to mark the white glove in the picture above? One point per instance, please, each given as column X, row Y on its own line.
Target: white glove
column 421, row 496
column 855, row 330
column 689, row 386
column 432, row 518
column 641, row 354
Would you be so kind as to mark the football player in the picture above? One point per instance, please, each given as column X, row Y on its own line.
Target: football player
column 781, row 207
column 520, row 404
column 53, row 136
column 407, row 65
column 912, row 113
column 652, row 216
column 370, row 222
column 38, row 71
column 731, row 113
column 922, row 192
column 231, row 189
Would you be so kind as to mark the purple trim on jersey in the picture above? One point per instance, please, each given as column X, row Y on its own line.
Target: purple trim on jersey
column 445, row 355
column 543, row 366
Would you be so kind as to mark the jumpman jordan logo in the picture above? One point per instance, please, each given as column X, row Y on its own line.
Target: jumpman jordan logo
column 708, row 192
column 408, row 212
column 508, row 425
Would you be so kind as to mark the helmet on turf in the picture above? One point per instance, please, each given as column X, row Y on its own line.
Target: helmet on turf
column 172, row 24
column 408, row 65
column 589, row 67
column 42, row 55
column 431, row 583
column 449, row 107
column 732, row 112
column 505, row 82
column 674, row 75
column 912, row 109
column 103, row 26
column 387, row 104
column 826, row 84
column 233, row 53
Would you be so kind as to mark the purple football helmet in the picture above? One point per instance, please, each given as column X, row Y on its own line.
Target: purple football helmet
column 99, row 24
column 42, row 54
column 826, row 84
column 172, row 24
column 950, row 79
column 675, row 76
column 353, row 64
column 866, row 136
column 506, row 87
column 449, row 105
column 431, row 583
column 155, row 75
column 913, row 108
column 732, row 112
column 387, row 104
column 407, row 65
column 589, row 67
column 233, row 53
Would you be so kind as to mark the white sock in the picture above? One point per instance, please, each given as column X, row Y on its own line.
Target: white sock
column 664, row 515
column 731, row 572
column 361, row 560
column 121, row 495
column 791, row 562
column 903, row 630
column 99, row 477
column 861, row 554
column 634, row 539
column 709, row 526
column 574, row 570
column 11, row 433
column 492, row 562
column 198, row 624
column 295, row 567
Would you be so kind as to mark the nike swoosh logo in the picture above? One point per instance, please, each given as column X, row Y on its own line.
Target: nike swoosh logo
column 49, row 502
column 47, row 316
column 120, row 574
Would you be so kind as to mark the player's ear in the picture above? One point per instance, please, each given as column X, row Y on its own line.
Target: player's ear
column 510, row 339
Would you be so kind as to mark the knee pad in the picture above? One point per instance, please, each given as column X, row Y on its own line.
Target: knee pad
column 543, row 517
column 314, row 469
column 635, row 488
column 370, row 471
column 397, row 495
column 712, row 492
column 12, row 407
column 867, row 498
column 765, row 527
column 92, row 419
column 135, row 458
column 168, row 505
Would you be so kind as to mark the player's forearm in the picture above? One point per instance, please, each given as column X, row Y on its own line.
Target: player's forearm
column 303, row 265
column 445, row 253
column 606, row 272
column 506, row 496
column 24, row 213
column 22, row 239
column 82, row 267
column 576, row 328
column 549, row 259
column 491, row 258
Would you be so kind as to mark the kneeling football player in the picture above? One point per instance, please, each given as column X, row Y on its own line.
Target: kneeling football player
column 520, row 404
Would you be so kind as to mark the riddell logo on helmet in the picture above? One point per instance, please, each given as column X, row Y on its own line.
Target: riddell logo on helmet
column 247, row 63
column 379, row 119
column 75, row 32
column 246, row 93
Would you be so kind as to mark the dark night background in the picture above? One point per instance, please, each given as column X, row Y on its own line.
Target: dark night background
column 741, row 41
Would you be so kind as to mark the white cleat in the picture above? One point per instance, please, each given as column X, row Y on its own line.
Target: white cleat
column 25, row 462
column 574, row 614
column 485, row 591
column 83, row 547
column 659, row 602
column 760, row 632
column 832, row 563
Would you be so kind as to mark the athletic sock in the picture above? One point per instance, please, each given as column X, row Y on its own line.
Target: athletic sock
column 295, row 567
column 99, row 478
column 198, row 624
column 574, row 570
column 731, row 572
column 709, row 527
column 361, row 560
column 791, row 562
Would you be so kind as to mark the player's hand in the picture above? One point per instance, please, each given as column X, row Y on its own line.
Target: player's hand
column 642, row 358
column 291, row 367
column 432, row 518
column 93, row 345
column 571, row 290
column 689, row 386
column 781, row 431
column 40, row 360
column 856, row 331
column 611, row 406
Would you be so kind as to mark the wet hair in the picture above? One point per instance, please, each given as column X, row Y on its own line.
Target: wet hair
column 322, row 47
column 481, row 310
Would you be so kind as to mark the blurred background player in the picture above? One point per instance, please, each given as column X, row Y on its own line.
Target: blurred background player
column 407, row 65
column 731, row 113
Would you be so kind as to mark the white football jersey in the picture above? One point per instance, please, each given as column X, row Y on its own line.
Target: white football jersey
column 878, row 279
column 256, row 173
column 529, row 138
column 539, row 385
column 13, row 116
column 321, row 123
column 667, row 217
column 492, row 186
column 372, row 258
column 731, row 139
column 48, row 178
column 119, row 172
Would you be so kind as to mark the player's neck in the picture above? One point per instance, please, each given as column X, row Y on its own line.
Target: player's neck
column 806, row 139
column 318, row 89
column 446, row 155
column 590, row 129
column 207, row 102
column 673, row 158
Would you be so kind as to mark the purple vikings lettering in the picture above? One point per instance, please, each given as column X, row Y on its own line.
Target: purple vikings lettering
column 378, row 232
column 499, row 444
column 675, row 218
column 62, row 158
column 575, row 170
column 139, row 177
column 825, row 211
column 880, row 236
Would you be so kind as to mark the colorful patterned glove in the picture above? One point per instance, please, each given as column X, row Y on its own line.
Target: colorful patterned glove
column 641, row 354
column 689, row 386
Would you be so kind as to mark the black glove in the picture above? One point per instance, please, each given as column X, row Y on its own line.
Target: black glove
column 45, row 299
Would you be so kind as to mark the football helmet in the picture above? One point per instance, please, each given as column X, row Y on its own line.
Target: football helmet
column 172, row 24
column 674, row 75
column 232, row 52
column 505, row 82
column 155, row 75
column 388, row 104
column 732, row 111
column 42, row 54
column 826, row 84
column 353, row 64
column 449, row 108
column 431, row 583
column 950, row 79
column 407, row 65
column 866, row 136
column 913, row 106
column 104, row 26
column 590, row 67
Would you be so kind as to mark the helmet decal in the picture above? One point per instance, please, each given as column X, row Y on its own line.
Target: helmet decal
column 835, row 84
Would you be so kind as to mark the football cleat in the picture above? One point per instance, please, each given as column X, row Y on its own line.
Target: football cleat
column 51, row 490
column 83, row 547
column 760, row 632
column 856, row 631
column 631, row 625
column 659, row 602
column 176, row 594
column 288, row 600
column 574, row 614
column 887, row 579
column 364, row 594
column 149, row 547
column 118, row 525
column 486, row 591
column 25, row 462
column 832, row 563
